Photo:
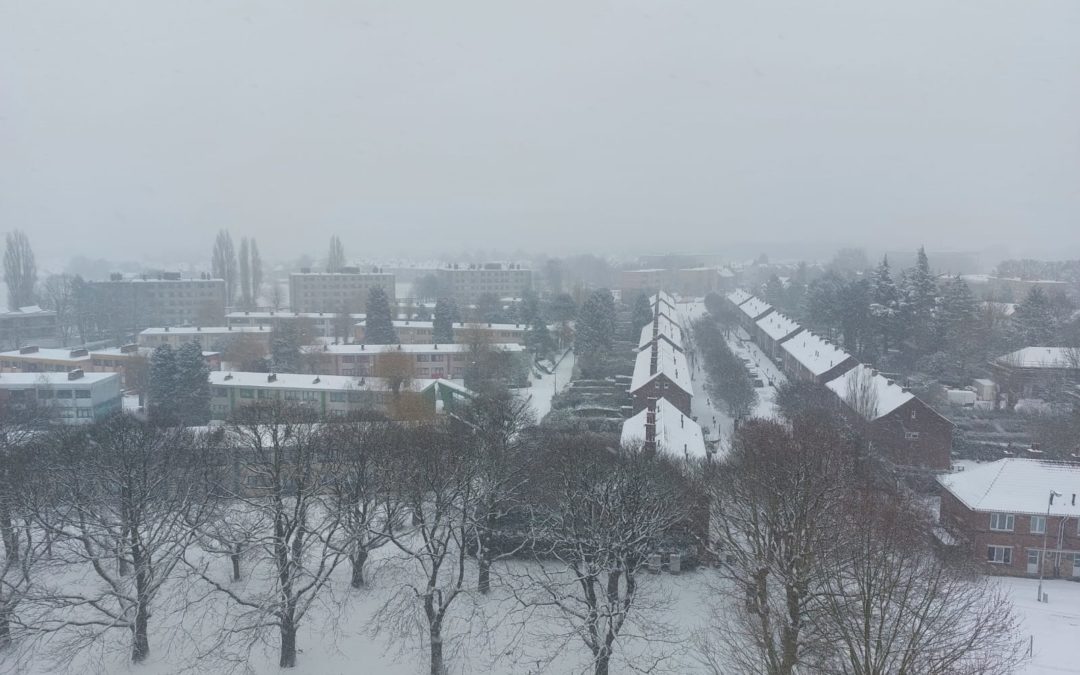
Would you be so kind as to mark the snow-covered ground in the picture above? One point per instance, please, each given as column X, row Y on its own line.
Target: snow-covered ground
column 542, row 390
column 1053, row 627
column 715, row 423
column 762, row 368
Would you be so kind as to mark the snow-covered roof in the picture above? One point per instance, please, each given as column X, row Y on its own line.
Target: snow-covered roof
column 777, row 326
column 28, row 310
column 460, row 325
column 738, row 296
column 270, row 316
column 880, row 396
column 669, row 361
column 52, row 379
column 1015, row 485
column 814, row 352
column 1042, row 357
column 409, row 348
column 232, row 378
column 755, row 307
column 663, row 297
column 667, row 328
column 47, row 354
column 203, row 330
column 675, row 432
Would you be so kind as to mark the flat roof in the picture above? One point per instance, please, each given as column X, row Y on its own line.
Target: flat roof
column 202, row 330
column 451, row 347
column 48, row 353
column 52, row 379
column 232, row 378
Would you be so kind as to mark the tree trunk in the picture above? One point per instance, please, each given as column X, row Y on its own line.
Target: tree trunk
column 484, row 581
column 288, row 644
column 601, row 665
column 5, row 630
column 438, row 667
column 358, row 560
column 140, row 647
column 235, row 558
column 9, row 534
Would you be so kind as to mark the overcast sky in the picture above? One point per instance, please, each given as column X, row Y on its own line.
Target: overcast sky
column 140, row 127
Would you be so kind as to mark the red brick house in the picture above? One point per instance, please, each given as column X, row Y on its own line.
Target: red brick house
column 772, row 330
column 661, row 371
column 898, row 424
column 811, row 358
column 751, row 311
column 1013, row 513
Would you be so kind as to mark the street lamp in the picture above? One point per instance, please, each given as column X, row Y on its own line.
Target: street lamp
column 1042, row 553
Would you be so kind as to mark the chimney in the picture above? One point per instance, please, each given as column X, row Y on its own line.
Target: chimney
column 650, row 425
column 32, row 349
column 166, row 329
column 76, row 353
column 228, row 376
column 75, row 374
column 272, row 377
column 127, row 349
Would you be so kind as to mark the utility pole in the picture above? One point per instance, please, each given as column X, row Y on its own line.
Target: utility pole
column 1042, row 553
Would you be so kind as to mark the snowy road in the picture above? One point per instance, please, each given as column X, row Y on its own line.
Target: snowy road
column 542, row 390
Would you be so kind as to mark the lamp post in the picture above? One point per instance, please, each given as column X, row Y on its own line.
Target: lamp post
column 1042, row 553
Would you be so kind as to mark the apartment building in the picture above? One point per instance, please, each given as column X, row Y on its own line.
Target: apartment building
column 33, row 359
column 128, row 305
column 24, row 325
column 322, row 324
column 425, row 361
column 467, row 284
column 75, row 397
column 210, row 338
column 336, row 291
column 423, row 332
column 334, row 395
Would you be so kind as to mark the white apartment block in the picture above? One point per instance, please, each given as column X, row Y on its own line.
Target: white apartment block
column 468, row 283
column 336, row 291
column 75, row 397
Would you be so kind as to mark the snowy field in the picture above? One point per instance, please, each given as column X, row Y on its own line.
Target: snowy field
column 494, row 634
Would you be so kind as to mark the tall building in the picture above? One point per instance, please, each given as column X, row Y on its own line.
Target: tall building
column 466, row 284
column 336, row 291
column 123, row 306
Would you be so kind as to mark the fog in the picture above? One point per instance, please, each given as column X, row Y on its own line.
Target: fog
column 131, row 128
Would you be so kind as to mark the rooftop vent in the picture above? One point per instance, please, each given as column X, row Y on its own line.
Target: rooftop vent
column 31, row 349
column 76, row 353
column 75, row 374
column 272, row 377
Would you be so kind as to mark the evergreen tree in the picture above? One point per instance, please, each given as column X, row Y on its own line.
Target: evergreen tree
column 921, row 304
column 641, row 314
column 855, row 318
column 774, row 291
column 335, row 259
column 595, row 326
column 285, row 353
column 538, row 339
column 489, row 309
column 446, row 315
column 958, row 311
column 20, row 270
column 885, row 306
column 563, row 307
column 162, row 391
column 192, row 385
column 1033, row 323
column 379, row 325
column 528, row 310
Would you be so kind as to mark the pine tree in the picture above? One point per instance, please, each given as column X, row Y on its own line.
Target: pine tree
column 20, row 270
column 192, row 385
column 335, row 259
column 489, row 309
column 595, row 327
column 1033, row 323
column 885, row 306
column 446, row 314
column 774, row 292
column 162, row 392
column 379, row 324
column 563, row 307
column 538, row 338
column 922, row 304
column 958, row 311
column 285, row 354
column 641, row 314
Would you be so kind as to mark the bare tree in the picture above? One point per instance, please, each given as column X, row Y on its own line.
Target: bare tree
column 20, row 270
column 599, row 516
column 277, row 295
column 362, row 493
column 223, row 264
column 294, row 536
column 122, row 499
column 436, row 477
column 861, row 393
column 244, row 272
column 774, row 509
column 892, row 604
column 335, row 259
column 58, row 294
column 256, row 272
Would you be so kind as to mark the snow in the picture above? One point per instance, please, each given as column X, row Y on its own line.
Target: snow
column 761, row 367
column 330, row 348
column 670, row 362
column 755, row 307
column 777, row 326
column 738, row 296
column 663, row 297
column 270, row 315
column 815, row 353
column 1016, row 485
column 223, row 378
column 667, row 329
column 888, row 395
column 45, row 354
column 545, row 387
column 1051, row 627
column 203, row 330
column 52, row 379
column 1042, row 357
column 674, row 431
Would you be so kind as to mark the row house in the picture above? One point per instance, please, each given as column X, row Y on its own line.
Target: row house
column 662, row 427
column 34, row 359
column 662, row 328
column 752, row 311
column 1014, row 515
column 773, row 330
column 28, row 325
column 321, row 324
column 811, row 358
column 897, row 424
column 738, row 297
column 661, row 371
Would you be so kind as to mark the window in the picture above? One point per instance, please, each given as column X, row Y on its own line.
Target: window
column 912, row 414
column 999, row 555
column 84, row 413
column 311, row 395
column 911, row 435
column 82, row 393
column 1001, row 522
column 65, row 393
column 337, row 397
column 221, row 392
column 247, row 393
column 45, row 393
column 263, row 393
column 1038, row 524
column 291, row 395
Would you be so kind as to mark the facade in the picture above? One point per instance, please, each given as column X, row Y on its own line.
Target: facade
column 1005, row 515
column 423, row 332
column 662, row 328
column 129, row 305
column 738, row 297
column 772, row 330
column 633, row 282
column 1037, row 371
column 661, row 372
column 32, row 359
column 467, row 284
column 811, row 358
column 331, row 292
column 76, row 397
column 322, row 324
column 752, row 311
column 210, row 338
column 1011, row 289
column 424, row 361
column 27, row 325
column 333, row 395
column 897, row 424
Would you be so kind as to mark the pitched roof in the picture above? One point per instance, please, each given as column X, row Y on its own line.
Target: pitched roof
column 815, row 353
column 755, row 307
column 669, row 361
column 738, row 296
column 675, row 432
column 663, row 297
column 880, row 397
column 1042, row 357
column 667, row 329
column 1015, row 485
column 777, row 326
